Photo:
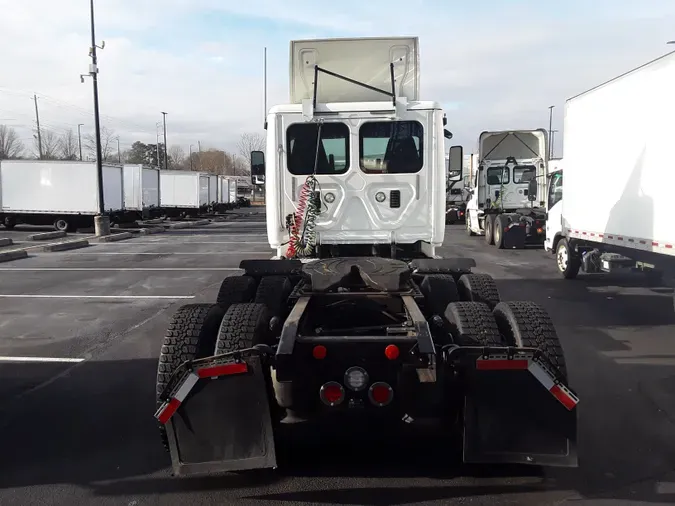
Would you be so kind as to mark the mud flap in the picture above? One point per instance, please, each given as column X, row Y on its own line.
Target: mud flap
column 511, row 417
column 224, row 425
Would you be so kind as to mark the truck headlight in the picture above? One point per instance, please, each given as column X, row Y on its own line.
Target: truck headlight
column 380, row 197
column 329, row 197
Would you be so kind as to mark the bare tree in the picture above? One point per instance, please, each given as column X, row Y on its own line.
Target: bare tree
column 240, row 166
column 48, row 144
column 68, row 146
column 10, row 145
column 108, row 145
column 177, row 157
column 250, row 142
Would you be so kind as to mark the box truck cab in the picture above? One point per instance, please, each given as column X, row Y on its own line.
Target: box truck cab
column 508, row 186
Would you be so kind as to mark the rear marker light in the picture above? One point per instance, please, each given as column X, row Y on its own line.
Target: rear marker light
column 319, row 352
column 222, row 370
column 356, row 378
column 332, row 393
column 391, row 352
column 380, row 394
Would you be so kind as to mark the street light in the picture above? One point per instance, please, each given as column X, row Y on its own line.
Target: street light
column 550, row 129
column 191, row 157
column 79, row 138
column 166, row 162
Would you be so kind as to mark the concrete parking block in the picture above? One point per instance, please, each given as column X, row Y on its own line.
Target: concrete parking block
column 115, row 237
column 46, row 235
column 6, row 241
column 152, row 230
column 7, row 256
column 65, row 246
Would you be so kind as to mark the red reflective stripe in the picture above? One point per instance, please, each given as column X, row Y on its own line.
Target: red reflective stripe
column 222, row 370
column 669, row 246
column 168, row 411
column 564, row 398
column 497, row 365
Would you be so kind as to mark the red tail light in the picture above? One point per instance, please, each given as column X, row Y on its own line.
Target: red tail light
column 391, row 352
column 319, row 352
column 332, row 393
column 380, row 394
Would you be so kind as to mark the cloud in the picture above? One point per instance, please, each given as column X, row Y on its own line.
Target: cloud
column 491, row 65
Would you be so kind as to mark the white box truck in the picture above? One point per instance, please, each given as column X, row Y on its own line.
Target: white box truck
column 213, row 190
column 503, row 206
column 141, row 191
column 59, row 193
column 617, row 152
column 183, row 192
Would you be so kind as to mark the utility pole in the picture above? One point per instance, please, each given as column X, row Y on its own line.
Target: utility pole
column 550, row 130
column 265, row 87
column 119, row 153
column 553, row 132
column 101, row 221
column 37, row 120
column 191, row 157
column 199, row 144
column 166, row 158
column 79, row 138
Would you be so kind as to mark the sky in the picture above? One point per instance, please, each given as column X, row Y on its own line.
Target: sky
column 491, row 64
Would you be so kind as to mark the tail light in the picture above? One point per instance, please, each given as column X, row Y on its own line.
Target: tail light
column 380, row 394
column 391, row 352
column 332, row 393
column 319, row 352
column 356, row 379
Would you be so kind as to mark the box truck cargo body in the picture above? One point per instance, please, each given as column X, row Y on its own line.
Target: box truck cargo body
column 614, row 207
column 183, row 192
column 59, row 193
column 141, row 191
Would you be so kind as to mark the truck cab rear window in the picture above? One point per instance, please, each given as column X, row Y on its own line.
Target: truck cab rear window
column 391, row 147
column 496, row 174
column 333, row 149
column 522, row 174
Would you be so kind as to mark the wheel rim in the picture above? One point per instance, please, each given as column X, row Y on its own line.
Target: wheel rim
column 563, row 258
column 497, row 234
column 61, row 224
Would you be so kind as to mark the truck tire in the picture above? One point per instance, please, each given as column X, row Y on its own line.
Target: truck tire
column 63, row 225
column 273, row 292
column 243, row 326
column 469, row 232
column 477, row 287
column 489, row 229
column 568, row 261
column 439, row 290
column 472, row 324
column 528, row 325
column 498, row 231
column 191, row 334
column 9, row 222
column 235, row 290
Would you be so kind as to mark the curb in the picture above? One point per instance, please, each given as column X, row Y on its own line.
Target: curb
column 46, row 235
column 115, row 237
column 13, row 255
column 65, row 246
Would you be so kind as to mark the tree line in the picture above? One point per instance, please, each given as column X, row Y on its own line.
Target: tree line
column 67, row 146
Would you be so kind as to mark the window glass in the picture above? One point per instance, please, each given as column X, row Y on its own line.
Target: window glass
column 333, row 150
column 391, row 147
column 555, row 190
column 495, row 175
column 522, row 174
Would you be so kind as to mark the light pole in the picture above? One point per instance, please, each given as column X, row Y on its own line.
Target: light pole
column 553, row 132
column 101, row 221
column 119, row 153
column 191, row 157
column 79, row 138
column 166, row 162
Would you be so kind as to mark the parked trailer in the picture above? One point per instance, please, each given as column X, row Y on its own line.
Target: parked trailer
column 617, row 207
column 63, row 194
column 511, row 173
column 184, row 192
column 141, row 191
column 357, row 323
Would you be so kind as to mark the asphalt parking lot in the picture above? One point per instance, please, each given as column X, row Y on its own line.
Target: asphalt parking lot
column 76, row 419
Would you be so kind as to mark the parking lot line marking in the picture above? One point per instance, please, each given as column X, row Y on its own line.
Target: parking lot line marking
column 155, row 243
column 171, row 253
column 40, row 296
column 41, row 359
column 116, row 269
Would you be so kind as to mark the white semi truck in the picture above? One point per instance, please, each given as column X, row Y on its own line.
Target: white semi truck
column 63, row 194
column 357, row 322
column 511, row 172
column 617, row 149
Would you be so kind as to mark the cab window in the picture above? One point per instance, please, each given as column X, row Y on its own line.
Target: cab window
column 497, row 175
column 333, row 150
column 391, row 147
column 522, row 174
column 555, row 190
